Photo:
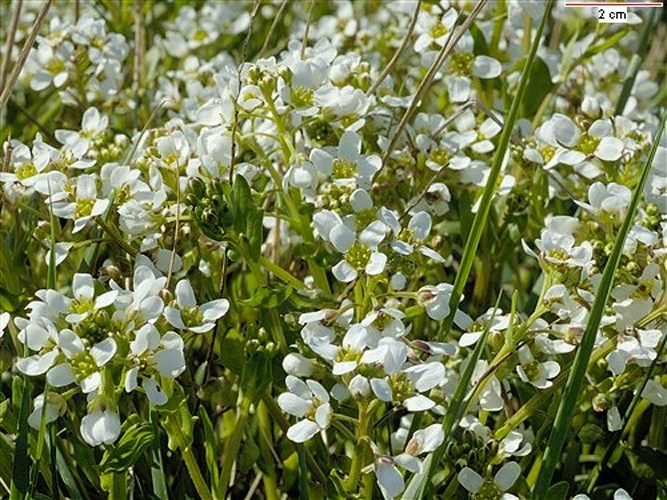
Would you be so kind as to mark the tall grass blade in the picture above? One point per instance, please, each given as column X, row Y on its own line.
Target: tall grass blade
column 482, row 214
column 22, row 465
column 417, row 486
column 577, row 376
column 636, row 62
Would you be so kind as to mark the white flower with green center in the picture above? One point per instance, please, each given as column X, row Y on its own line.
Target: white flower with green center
column 434, row 29
column 308, row 401
column 41, row 337
column 85, row 206
column 611, row 199
column 407, row 240
column 93, row 124
column 28, row 165
column 346, row 163
column 491, row 488
column 144, row 304
column 640, row 349
column 84, row 301
column 361, row 253
column 190, row 316
column 556, row 248
column 101, row 426
column 462, row 67
column 82, row 363
column 538, row 374
column 153, row 356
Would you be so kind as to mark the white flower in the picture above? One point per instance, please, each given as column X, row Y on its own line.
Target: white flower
column 189, row 316
column 535, row 373
column 655, row 392
column 55, row 406
column 492, row 488
column 92, row 125
column 154, row 355
column 308, row 401
column 298, row 365
column 100, row 427
column 83, row 289
column 84, row 206
column 82, row 364
column 346, row 163
column 360, row 253
column 4, row 321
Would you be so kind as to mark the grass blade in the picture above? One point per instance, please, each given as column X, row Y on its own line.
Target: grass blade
column 482, row 214
column 22, row 464
column 417, row 486
column 577, row 376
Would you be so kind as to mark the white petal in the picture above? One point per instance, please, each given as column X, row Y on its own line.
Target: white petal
column 655, row 393
column 344, row 272
column 293, row 404
column 459, row 88
column 302, row 431
column 36, row 365
column 131, row 379
column 609, row 149
column 60, row 375
column 342, row 237
column 173, row 316
column 214, row 309
column 154, row 392
column 486, row 67
column 470, row 480
column 390, row 480
column 382, row 389
column 507, row 475
column 376, row 264
column 418, row 403
column 103, row 351
column 323, row 415
column 185, row 296
column 83, row 287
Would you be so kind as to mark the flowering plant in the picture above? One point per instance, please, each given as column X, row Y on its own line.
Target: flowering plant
column 354, row 250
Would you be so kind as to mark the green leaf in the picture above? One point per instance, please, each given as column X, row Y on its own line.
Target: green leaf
column 268, row 297
column 254, row 232
column 232, row 352
column 134, row 441
column 242, row 203
column 22, row 462
column 577, row 376
column 539, row 86
column 558, row 491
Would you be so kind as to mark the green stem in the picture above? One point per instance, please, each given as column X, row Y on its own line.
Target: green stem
column 118, row 486
column 281, row 273
column 195, row 473
column 233, row 445
column 360, row 450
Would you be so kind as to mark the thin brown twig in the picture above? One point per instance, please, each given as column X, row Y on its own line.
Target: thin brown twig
column 304, row 42
column 23, row 55
column 425, row 84
column 398, row 52
column 272, row 29
column 11, row 34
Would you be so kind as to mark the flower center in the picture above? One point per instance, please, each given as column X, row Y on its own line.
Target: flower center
column 84, row 208
column 437, row 30
column 26, row 171
column 358, row 256
column 440, row 155
column 343, row 168
column 192, row 316
column 461, row 63
column 489, row 491
column 302, row 97
column 587, row 144
column 83, row 365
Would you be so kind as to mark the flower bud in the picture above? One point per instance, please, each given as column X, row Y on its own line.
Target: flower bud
column 298, row 365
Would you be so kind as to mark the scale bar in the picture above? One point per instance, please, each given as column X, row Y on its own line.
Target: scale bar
column 613, row 4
